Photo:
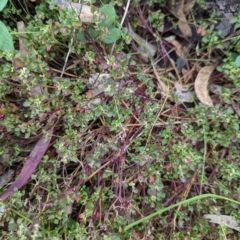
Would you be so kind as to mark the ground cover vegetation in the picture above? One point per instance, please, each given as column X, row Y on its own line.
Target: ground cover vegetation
column 120, row 123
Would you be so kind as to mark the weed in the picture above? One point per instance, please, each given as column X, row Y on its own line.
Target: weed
column 126, row 161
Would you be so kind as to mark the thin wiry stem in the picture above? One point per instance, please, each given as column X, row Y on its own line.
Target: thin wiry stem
column 122, row 21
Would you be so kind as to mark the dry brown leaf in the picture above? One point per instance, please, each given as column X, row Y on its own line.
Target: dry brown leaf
column 201, row 85
column 201, row 31
column 180, row 11
column 185, row 28
column 29, row 166
column 178, row 46
column 189, row 4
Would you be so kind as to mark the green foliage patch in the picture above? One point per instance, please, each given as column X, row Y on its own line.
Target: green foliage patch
column 124, row 162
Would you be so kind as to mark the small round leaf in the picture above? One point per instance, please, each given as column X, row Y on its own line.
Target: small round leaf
column 108, row 15
column 92, row 32
column 81, row 36
column 112, row 36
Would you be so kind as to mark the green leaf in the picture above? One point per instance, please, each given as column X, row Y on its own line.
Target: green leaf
column 112, row 36
column 233, row 55
column 237, row 25
column 108, row 15
column 3, row 4
column 6, row 42
column 92, row 33
column 27, row 103
column 81, row 36
column 237, row 61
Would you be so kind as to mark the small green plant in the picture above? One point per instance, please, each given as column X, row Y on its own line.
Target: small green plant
column 156, row 19
column 126, row 155
column 105, row 21
column 231, row 67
